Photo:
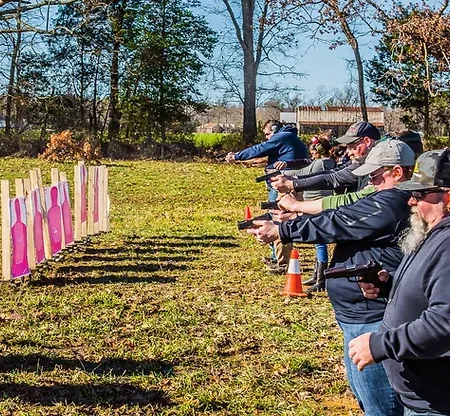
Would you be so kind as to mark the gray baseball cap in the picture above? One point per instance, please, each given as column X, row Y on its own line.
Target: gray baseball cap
column 358, row 131
column 387, row 153
column 432, row 170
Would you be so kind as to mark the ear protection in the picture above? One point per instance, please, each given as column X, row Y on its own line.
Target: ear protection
column 275, row 127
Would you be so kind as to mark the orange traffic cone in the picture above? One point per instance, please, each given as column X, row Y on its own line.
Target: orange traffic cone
column 294, row 285
column 248, row 213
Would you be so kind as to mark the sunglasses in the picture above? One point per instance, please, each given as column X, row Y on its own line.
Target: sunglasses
column 420, row 195
column 372, row 177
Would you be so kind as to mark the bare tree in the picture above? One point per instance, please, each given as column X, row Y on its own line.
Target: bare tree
column 263, row 38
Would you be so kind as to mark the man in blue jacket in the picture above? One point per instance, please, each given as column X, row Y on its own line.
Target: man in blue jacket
column 282, row 143
column 366, row 230
column 414, row 339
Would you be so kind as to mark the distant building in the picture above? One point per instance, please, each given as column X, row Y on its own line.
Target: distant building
column 218, row 128
column 210, row 128
column 312, row 118
column 288, row 118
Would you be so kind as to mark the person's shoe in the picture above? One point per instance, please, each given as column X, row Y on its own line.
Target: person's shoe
column 268, row 261
column 313, row 280
column 276, row 269
column 310, row 282
column 320, row 285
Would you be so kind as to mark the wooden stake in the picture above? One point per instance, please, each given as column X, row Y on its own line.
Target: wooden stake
column 54, row 173
column 77, row 202
column 6, row 232
column 90, row 212
column 30, row 225
column 101, row 199
column 36, row 183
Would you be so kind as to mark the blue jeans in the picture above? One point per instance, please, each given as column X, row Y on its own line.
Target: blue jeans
column 272, row 197
column 371, row 386
column 410, row 412
column 321, row 253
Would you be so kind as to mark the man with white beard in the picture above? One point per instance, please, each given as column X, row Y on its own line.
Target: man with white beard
column 414, row 338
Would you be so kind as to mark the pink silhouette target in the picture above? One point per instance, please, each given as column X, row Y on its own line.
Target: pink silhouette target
column 66, row 213
column 53, row 201
column 38, row 230
column 18, row 212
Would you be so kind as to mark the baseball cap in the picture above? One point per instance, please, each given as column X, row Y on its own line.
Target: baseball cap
column 359, row 130
column 432, row 170
column 387, row 153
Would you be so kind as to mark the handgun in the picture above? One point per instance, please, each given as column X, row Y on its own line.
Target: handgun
column 243, row 225
column 221, row 156
column 268, row 176
column 269, row 205
column 367, row 273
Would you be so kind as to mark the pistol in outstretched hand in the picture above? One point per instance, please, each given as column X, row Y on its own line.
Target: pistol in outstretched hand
column 243, row 225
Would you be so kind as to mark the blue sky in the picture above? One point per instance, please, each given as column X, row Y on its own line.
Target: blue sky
column 323, row 67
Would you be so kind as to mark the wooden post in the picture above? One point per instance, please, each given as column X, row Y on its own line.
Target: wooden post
column 77, row 202
column 84, row 172
column 107, row 201
column 90, row 212
column 97, row 198
column 54, row 173
column 101, row 198
column 30, row 224
column 6, row 232
column 36, row 183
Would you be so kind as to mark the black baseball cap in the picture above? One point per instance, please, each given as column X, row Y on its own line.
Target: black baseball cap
column 359, row 130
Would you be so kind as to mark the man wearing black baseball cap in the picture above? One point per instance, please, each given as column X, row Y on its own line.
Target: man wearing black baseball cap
column 360, row 138
column 414, row 338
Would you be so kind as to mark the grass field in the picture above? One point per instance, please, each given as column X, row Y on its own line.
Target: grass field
column 171, row 313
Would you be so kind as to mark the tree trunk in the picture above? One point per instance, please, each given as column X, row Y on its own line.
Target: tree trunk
column 426, row 116
column 12, row 74
column 250, row 71
column 114, row 111
column 249, row 125
column 353, row 42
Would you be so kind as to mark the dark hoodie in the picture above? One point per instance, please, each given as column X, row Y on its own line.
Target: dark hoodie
column 363, row 231
column 414, row 338
column 284, row 146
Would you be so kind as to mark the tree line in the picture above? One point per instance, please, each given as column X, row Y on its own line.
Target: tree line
column 128, row 72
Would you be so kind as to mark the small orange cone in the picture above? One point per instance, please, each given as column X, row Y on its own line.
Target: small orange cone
column 248, row 214
column 294, row 285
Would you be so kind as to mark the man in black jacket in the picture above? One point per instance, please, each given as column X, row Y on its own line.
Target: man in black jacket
column 359, row 139
column 366, row 230
column 414, row 339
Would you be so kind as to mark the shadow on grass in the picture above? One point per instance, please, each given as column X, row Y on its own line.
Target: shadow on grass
column 144, row 256
column 115, row 366
column 109, row 394
column 125, row 278
column 119, row 268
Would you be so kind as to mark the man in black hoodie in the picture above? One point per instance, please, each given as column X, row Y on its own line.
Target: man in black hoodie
column 414, row 339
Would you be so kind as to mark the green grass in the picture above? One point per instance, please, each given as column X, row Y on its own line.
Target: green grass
column 207, row 140
column 171, row 313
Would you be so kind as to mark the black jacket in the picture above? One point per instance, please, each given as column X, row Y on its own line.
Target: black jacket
column 366, row 230
column 414, row 338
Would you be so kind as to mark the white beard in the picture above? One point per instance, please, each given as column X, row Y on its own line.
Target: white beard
column 412, row 237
